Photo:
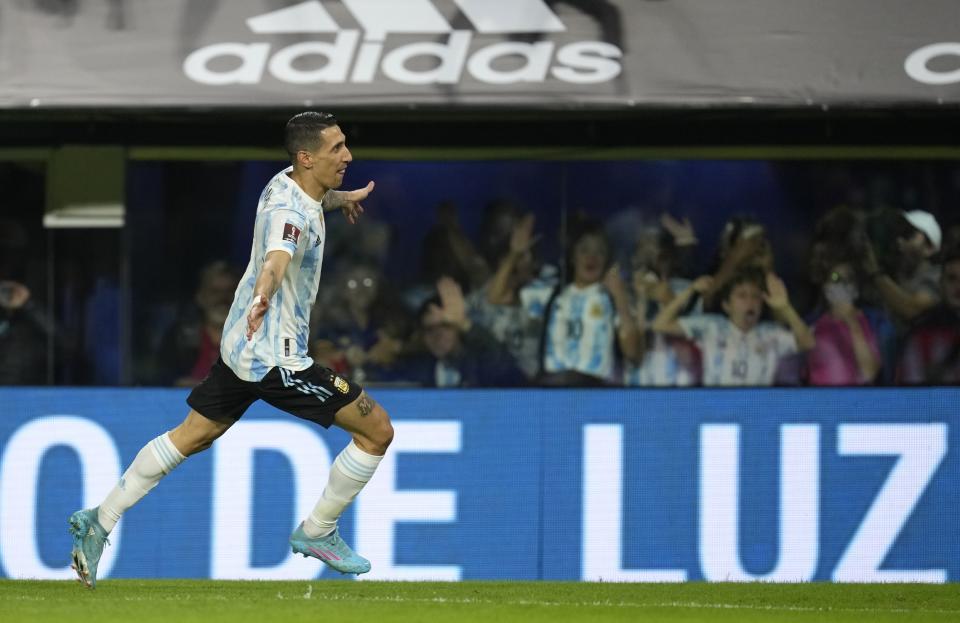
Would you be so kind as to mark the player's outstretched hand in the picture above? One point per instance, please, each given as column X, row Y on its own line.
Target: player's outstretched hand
column 349, row 201
column 258, row 309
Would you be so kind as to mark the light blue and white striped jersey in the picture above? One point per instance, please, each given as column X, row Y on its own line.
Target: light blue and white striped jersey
column 732, row 357
column 518, row 327
column 580, row 332
column 667, row 362
column 289, row 220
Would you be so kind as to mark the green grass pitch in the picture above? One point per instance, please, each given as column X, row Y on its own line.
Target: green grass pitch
column 145, row 601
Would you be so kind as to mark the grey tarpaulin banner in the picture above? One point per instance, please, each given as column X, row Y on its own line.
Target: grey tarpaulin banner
column 540, row 53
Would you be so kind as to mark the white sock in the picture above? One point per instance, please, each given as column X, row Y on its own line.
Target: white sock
column 351, row 470
column 154, row 461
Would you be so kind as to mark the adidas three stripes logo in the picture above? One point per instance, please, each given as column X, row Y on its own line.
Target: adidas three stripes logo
column 286, row 376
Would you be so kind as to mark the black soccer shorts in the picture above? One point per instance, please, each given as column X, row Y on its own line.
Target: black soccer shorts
column 314, row 394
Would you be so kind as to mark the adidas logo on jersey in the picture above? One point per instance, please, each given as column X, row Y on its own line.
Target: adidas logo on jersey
column 367, row 54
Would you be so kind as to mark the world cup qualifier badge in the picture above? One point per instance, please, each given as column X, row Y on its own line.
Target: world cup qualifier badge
column 291, row 233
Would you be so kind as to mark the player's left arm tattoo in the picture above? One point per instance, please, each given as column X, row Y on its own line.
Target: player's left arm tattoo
column 334, row 200
column 365, row 404
column 347, row 201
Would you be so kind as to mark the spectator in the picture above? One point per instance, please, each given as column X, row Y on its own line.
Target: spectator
column 846, row 350
column 671, row 251
column 188, row 347
column 503, row 306
column 208, row 348
column 500, row 219
column 25, row 335
column 448, row 252
column 588, row 319
column 460, row 352
column 913, row 289
column 739, row 348
column 668, row 360
column 931, row 350
column 362, row 325
column 373, row 241
column 743, row 243
column 840, row 237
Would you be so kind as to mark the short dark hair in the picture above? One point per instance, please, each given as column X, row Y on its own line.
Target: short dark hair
column 747, row 274
column 303, row 131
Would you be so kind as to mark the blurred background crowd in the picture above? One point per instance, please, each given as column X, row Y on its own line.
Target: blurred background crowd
column 507, row 274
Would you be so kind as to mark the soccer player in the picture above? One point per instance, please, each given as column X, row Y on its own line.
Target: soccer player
column 263, row 355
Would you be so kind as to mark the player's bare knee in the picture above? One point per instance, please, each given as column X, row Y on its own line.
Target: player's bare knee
column 376, row 436
column 384, row 432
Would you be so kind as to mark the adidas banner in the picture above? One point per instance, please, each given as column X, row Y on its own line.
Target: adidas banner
column 537, row 53
column 619, row 485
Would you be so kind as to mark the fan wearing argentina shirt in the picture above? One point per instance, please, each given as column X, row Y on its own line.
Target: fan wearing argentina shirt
column 263, row 356
column 587, row 321
column 738, row 348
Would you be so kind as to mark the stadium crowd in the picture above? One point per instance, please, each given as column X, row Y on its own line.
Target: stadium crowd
column 494, row 313
column 653, row 300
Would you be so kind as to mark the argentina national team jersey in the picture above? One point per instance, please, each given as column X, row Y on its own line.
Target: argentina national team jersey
column 580, row 332
column 734, row 357
column 287, row 220
column 667, row 362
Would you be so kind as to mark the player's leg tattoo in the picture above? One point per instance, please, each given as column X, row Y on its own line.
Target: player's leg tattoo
column 365, row 404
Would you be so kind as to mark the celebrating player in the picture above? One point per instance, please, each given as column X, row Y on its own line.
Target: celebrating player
column 263, row 355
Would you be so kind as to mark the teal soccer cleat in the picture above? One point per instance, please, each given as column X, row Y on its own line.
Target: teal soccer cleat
column 330, row 549
column 89, row 537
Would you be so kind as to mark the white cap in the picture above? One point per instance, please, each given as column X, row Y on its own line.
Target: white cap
column 925, row 222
